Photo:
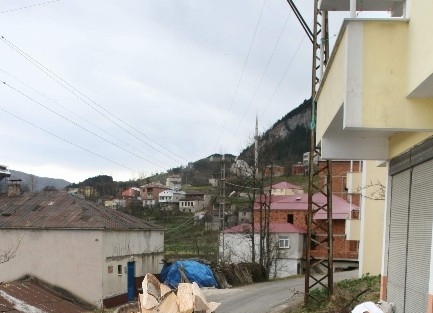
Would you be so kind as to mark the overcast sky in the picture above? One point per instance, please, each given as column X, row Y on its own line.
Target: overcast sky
column 134, row 87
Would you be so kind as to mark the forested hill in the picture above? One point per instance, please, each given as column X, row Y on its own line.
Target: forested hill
column 284, row 143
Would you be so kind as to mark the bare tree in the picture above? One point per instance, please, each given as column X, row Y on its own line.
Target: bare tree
column 10, row 252
column 372, row 191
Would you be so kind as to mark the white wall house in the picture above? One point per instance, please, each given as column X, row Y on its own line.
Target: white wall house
column 171, row 196
column 287, row 243
column 95, row 253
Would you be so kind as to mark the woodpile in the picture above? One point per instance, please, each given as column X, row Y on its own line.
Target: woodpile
column 159, row 298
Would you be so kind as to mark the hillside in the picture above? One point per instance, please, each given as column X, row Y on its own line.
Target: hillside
column 36, row 183
column 285, row 142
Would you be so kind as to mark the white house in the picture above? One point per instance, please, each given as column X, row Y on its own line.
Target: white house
column 95, row 253
column 169, row 198
column 287, row 241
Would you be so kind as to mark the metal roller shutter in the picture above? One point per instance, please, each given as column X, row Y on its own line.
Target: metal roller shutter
column 419, row 240
column 397, row 249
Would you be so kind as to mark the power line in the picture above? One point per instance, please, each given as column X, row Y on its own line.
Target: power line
column 67, row 141
column 81, row 96
column 28, row 6
column 72, row 112
column 263, row 74
column 76, row 124
column 284, row 75
column 242, row 74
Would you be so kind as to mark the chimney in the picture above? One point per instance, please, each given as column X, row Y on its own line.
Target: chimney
column 14, row 188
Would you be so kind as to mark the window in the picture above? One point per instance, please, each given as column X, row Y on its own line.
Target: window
column 284, row 242
column 119, row 270
column 290, row 218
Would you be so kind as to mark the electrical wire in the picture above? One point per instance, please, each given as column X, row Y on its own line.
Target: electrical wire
column 67, row 141
column 283, row 76
column 77, row 115
column 263, row 75
column 79, row 126
column 241, row 77
column 82, row 97
column 28, row 6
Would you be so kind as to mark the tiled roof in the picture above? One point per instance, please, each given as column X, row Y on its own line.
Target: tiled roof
column 273, row 228
column 340, row 207
column 285, row 185
column 60, row 210
column 31, row 296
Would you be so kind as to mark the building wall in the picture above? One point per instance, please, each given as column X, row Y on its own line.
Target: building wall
column 339, row 178
column 64, row 258
column 237, row 249
column 343, row 249
column 420, row 67
column 372, row 219
column 145, row 248
column 334, row 96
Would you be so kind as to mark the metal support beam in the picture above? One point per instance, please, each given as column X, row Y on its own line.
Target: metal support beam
column 319, row 233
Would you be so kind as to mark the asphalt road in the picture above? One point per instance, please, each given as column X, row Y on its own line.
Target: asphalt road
column 268, row 297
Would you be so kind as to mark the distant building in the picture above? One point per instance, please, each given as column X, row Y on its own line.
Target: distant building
column 150, row 193
column 287, row 240
column 298, row 169
column 193, row 202
column 273, row 170
column 169, row 199
column 174, row 182
column 286, row 189
column 132, row 192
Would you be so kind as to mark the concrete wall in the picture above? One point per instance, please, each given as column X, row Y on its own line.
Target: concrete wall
column 145, row 248
column 237, row 248
column 420, row 45
column 372, row 219
column 64, row 258
column 80, row 260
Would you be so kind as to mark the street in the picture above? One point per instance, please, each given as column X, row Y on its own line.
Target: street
column 268, row 297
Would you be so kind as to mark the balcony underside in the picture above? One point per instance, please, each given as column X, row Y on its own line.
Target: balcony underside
column 393, row 6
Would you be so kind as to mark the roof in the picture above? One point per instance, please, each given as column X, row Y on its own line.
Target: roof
column 273, row 228
column 60, row 210
column 285, row 185
column 340, row 207
column 154, row 185
column 131, row 192
column 32, row 296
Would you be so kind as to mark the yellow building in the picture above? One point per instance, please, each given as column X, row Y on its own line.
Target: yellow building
column 375, row 102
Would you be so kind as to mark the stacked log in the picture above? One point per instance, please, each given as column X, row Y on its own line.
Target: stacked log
column 159, row 298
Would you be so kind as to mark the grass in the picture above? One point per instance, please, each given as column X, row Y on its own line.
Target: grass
column 347, row 294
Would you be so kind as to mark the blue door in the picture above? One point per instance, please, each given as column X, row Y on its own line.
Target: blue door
column 131, row 281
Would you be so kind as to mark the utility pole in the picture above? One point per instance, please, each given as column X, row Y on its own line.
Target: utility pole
column 319, row 37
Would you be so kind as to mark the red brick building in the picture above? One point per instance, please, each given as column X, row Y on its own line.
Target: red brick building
column 339, row 170
column 293, row 209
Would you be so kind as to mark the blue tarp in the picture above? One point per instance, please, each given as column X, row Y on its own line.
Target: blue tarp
column 194, row 271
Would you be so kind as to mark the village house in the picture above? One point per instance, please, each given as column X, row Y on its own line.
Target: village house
column 287, row 243
column 293, row 209
column 375, row 103
column 131, row 193
column 169, row 199
column 174, row 182
column 273, row 170
column 193, row 202
column 150, row 193
column 285, row 189
column 97, row 254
